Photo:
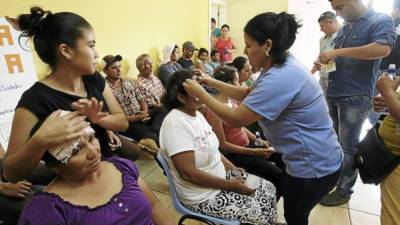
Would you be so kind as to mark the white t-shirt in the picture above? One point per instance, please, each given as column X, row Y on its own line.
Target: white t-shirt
column 181, row 132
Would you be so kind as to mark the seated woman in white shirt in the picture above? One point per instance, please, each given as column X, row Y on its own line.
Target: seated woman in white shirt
column 190, row 147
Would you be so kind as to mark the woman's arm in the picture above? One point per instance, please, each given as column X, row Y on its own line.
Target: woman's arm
column 250, row 134
column 232, row 91
column 238, row 117
column 185, row 165
column 2, row 152
column 225, row 145
column 25, row 152
column 228, row 164
column 387, row 88
column 159, row 213
column 233, row 44
column 143, row 106
column 116, row 120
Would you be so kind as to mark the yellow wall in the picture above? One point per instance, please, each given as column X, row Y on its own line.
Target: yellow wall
column 130, row 27
column 241, row 11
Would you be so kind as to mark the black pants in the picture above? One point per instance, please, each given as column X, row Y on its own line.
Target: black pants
column 150, row 129
column 269, row 169
column 11, row 208
column 301, row 195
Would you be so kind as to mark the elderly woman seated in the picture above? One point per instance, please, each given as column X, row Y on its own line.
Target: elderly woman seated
column 88, row 190
column 205, row 180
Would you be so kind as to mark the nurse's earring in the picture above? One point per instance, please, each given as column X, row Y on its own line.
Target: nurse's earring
column 266, row 53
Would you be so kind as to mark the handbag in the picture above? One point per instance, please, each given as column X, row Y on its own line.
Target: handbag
column 373, row 161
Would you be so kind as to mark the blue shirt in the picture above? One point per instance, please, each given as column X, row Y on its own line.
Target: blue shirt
column 296, row 119
column 354, row 76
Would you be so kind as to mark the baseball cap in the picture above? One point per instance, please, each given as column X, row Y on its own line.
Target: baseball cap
column 327, row 15
column 110, row 59
column 189, row 45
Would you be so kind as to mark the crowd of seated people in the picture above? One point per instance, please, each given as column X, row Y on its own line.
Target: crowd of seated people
column 76, row 122
column 142, row 127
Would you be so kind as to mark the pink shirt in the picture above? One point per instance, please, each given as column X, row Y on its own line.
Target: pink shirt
column 233, row 135
column 224, row 48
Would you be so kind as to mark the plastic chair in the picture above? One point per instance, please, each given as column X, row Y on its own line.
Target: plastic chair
column 187, row 213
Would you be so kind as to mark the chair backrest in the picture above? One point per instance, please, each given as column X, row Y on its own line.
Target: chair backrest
column 175, row 200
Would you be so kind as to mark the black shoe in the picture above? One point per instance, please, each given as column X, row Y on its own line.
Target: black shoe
column 334, row 199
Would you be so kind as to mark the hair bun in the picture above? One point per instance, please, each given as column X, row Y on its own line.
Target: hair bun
column 32, row 23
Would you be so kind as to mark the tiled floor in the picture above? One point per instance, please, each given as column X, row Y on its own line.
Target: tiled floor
column 363, row 208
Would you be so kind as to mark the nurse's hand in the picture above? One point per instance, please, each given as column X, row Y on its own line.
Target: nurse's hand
column 202, row 78
column 194, row 89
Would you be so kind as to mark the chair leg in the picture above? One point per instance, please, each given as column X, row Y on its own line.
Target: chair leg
column 193, row 217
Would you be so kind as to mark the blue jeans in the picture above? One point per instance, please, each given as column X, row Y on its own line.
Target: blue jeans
column 324, row 82
column 348, row 115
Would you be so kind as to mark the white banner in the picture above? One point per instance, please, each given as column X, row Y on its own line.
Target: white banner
column 17, row 73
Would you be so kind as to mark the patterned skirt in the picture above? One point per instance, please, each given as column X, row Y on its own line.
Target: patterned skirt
column 258, row 208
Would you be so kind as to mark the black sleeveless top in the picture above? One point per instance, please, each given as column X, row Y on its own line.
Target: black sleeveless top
column 42, row 100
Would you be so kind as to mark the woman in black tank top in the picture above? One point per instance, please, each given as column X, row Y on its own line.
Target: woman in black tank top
column 65, row 41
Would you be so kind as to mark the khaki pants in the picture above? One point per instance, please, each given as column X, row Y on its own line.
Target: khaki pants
column 390, row 198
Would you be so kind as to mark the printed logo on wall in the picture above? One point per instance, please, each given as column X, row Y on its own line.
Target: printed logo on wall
column 17, row 73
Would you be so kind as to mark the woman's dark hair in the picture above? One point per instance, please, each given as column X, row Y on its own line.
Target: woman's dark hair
column 225, row 74
column 201, row 51
column 280, row 28
column 175, row 48
column 213, row 52
column 225, row 25
column 50, row 30
column 239, row 63
column 175, row 87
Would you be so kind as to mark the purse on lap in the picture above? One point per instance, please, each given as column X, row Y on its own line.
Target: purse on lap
column 373, row 161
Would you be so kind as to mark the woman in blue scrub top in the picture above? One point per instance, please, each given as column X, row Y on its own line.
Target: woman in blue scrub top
column 289, row 105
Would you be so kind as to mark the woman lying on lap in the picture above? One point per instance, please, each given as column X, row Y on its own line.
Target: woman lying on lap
column 190, row 147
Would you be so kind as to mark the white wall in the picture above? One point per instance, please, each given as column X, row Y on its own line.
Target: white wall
column 306, row 46
column 241, row 11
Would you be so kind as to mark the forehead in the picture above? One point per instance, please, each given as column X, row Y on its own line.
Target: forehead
column 146, row 60
column 115, row 64
column 248, row 39
column 87, row 34
column 325, row 21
